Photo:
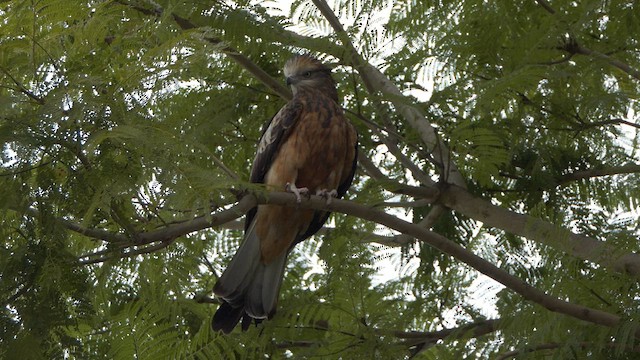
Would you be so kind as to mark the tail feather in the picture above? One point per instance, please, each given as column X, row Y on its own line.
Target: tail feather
column 240, row 272
column 271, row 288
column 226, row 318
column 262, row 295
column 248, row 287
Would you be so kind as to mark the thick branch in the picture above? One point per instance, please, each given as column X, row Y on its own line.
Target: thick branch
column 551, row 346
column 541, row 231
column 415, row 230
column 612, row 122
column 445, row 245
column 455, row 198
column 577, row 49
column 163, row 237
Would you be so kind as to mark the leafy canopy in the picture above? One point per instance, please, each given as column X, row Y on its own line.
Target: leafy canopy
column 510, row 129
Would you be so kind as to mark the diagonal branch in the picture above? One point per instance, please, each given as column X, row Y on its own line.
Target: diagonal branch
column 171, row 232
column 420, row 341
column 552, row 345
column 416, row 341
column 546, row 6
column 419, row 232
column 23, row 89
column 581, row 246
column 98, row 234
column 447, row 246
column 376, row 82
column 231, row 52
column 608, row 59
column 460, row 200
column 612, row 122
column 574, row 48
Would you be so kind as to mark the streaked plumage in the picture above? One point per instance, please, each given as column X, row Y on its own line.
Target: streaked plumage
column 308, row 144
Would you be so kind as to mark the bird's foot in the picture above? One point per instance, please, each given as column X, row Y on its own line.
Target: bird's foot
column 289, row 187
column 327, row 194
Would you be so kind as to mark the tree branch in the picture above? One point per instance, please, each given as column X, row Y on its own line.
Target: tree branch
column 171, row 232
column 546, row 6
column 98, row 234
column 612, row 122
column 551, row 346
column 608, row 59
column 376, row 82
column 572, row 47
column 23, row 89
column 421, row 341
column 92, row 259
column 581, row 246
column 351, row 208
column 231, row 52
column 591, row 173
column 429, row 193
column 447, row 246
column 575, row 48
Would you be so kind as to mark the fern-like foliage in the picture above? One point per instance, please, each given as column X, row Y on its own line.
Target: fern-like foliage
column 121, row 118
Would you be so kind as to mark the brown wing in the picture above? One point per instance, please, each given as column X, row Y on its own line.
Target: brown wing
column 274, row 134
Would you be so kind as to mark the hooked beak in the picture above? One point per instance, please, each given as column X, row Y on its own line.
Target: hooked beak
column 290, row 80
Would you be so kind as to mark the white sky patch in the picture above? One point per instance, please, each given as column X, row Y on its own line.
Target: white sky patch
column 10, row 156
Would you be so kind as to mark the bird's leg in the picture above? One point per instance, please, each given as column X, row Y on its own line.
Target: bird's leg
column 327, row 194
column 290, row 187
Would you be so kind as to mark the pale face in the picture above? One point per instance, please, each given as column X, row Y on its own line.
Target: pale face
column 305, row 71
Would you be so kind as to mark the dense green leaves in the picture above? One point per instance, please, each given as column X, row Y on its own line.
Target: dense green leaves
column 122, row 118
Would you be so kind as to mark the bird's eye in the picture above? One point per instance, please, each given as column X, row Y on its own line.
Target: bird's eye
column 307, row 74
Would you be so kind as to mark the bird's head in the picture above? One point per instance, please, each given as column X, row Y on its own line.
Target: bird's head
column 307, row 72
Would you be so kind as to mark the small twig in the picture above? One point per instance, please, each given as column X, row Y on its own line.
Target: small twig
column 551, row 346
column 546, row 6
column 571, row 46
column 586, row 174
column 427, row 222
column 299, row 343
column 612, row 122
column 420, row 341
column 231, row 52
column 23, row 89
column 16, row 172
column 97, row 234
column 170, row 233
column 614, row 62
column 405, row 204
column 131, row 253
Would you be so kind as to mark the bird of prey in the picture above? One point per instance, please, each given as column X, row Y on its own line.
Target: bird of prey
column 308, row 147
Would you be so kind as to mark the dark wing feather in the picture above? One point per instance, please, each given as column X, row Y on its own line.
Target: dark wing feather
column 346, row 184
column 273, row 136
